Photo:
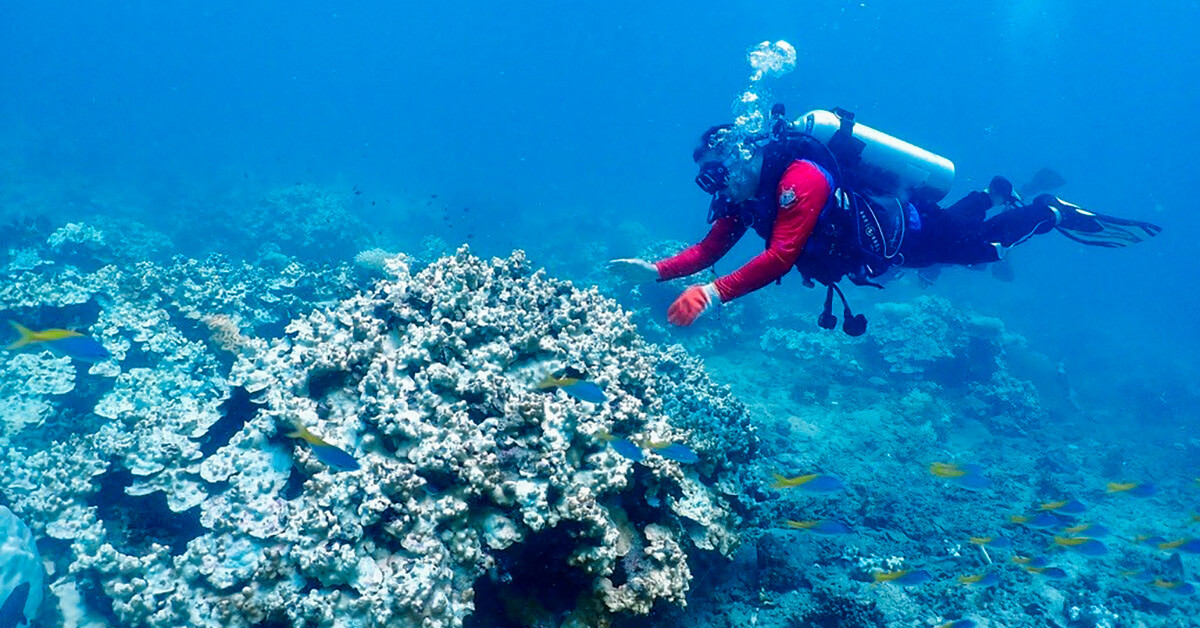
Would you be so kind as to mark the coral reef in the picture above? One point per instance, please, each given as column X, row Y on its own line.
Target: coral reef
column 172, row 496
column 307, row 222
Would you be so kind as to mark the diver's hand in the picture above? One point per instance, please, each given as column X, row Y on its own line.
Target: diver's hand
column 634, row 270
column 692, row 303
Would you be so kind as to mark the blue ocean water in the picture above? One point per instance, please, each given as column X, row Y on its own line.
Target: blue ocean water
column 567, row 129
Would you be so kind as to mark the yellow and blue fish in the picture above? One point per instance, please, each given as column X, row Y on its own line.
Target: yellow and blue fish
column 966, row 476
column 810, row 483
column 961, row 623
column 580, row 389
column 1137, row 489
column 1065, row 507
column 1187, row 546
column 336, row 458
column 824, row 527
column 1081, row 545
column 1054, row 573
column 623, row 446
column 672, row 451
column 1043, row 520
column 998, row 542
column 1144, row 576
column 980, row 580
column 904, row 577
column 1036, row 562
column 61, row 341
column 1177, row 587
column 1086, row 529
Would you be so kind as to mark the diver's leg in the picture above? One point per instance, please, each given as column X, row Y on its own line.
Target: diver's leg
column 971, row 208
column 1014, row 226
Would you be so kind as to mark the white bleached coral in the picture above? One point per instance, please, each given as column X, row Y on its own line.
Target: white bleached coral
column 184, row 504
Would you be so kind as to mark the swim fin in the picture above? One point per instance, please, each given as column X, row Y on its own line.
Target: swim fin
column 1044, row 180
column 1095, row 229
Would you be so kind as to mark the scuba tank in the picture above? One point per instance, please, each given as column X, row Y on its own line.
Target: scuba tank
column 877, row 162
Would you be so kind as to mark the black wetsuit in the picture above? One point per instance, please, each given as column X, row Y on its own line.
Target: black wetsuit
column 963, row 234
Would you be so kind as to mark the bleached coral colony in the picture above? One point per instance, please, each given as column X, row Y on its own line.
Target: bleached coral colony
column 168, row 492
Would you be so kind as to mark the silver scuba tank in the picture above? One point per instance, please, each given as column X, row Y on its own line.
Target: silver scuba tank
column 890, row 165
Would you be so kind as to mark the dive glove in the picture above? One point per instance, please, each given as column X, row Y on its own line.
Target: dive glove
column 634, row 270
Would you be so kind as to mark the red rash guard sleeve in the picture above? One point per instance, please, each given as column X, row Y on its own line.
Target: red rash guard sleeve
column 725, row 232
column 803, row 190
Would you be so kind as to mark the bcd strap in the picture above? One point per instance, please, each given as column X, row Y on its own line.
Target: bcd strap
column 845, row 147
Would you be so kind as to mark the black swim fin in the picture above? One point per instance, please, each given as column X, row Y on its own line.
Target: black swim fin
column 1095, row 229
column 1003, row 270
column 1044, row 180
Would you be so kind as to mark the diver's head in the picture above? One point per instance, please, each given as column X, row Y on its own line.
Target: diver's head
column 728, row 166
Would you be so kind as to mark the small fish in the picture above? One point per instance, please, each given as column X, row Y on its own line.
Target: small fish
column 12, row 612
column 1174, row 586
column 580, row 389
column 968, row 476
column 61, row 341
column 1043, row 520
column 1054, row 573
column 811, row 483
column 1065, row 507
column 1149, row 541
column 627, row 449
column 623, row 446
column 1133, row 488
column 336, row 458
column 982, row 580
column 904, row 577
column 1187, row 546
column 961, row 623
column 999, row 542
column 672, row 451
column 824, row 527
column 1195, row 518
column 1144, row 576
column 1082, row 545
column 1036, row 562
column 1091, row 529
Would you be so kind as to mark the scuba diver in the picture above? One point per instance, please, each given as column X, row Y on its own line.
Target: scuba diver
column 836, row 199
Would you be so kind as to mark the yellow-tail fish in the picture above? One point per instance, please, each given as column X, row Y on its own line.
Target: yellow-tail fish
column 1137, row 489
column 1065, row 507
column 623, row 446
column 810, row 483
column 672, row 451
column 336, row 458
column 62, row 341
column 999, row 542
column 825, row 527
column 904, row 577
column 969, row 476
column 580, row 389
column 1082, row 545
column 983, row 579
